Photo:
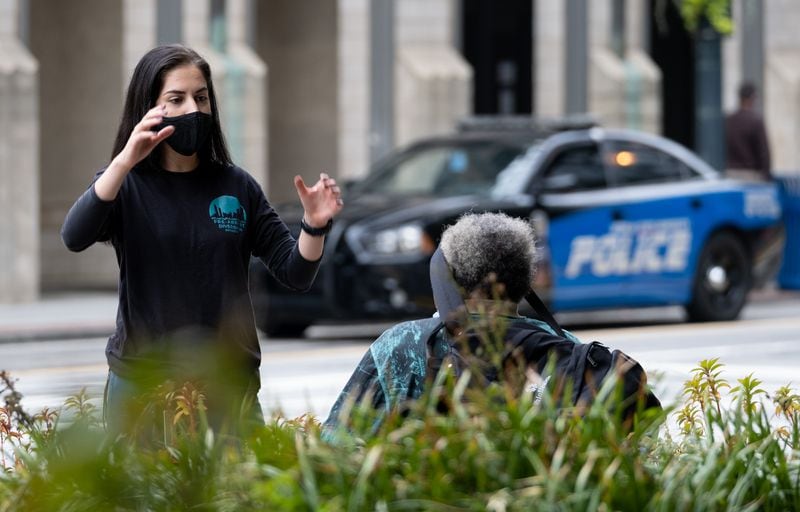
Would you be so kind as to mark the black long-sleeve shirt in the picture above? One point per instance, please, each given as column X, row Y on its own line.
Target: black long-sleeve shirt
column 183, row 243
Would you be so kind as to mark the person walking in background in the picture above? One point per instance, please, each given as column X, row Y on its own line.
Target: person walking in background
column 746, row 143
column 184, row 222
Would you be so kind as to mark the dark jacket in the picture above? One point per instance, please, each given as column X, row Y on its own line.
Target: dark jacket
column 746, row 142
column 395, row 368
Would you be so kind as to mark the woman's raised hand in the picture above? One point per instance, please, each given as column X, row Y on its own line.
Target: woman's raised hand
column 143, row 139
column 141, row 142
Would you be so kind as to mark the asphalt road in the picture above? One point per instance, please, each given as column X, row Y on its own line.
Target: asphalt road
column 304, row 376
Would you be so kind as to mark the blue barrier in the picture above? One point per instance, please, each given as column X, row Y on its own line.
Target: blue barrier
column 789, row 275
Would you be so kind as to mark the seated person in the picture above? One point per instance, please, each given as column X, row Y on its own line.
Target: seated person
column 484, row 267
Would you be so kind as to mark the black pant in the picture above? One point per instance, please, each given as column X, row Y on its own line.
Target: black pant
column 134, row 407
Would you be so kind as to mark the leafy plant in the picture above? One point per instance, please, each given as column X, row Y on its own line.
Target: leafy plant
column 489, row 449
column 693, row 12
column 717, row 12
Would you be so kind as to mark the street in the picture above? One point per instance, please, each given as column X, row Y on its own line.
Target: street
column 305, row 375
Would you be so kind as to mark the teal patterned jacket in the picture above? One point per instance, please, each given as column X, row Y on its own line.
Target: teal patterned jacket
column 394, row 369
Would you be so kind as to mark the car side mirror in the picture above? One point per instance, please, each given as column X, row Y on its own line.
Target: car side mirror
column 347, row 184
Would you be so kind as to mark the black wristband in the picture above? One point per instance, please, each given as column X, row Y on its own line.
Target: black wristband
column 324, row 230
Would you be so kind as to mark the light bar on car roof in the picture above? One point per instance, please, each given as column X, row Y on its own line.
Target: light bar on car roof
column 526, row 123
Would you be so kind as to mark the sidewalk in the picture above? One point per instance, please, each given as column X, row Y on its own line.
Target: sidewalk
column 93, row 314
column 60, row 315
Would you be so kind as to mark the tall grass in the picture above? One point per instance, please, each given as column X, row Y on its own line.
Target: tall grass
column 736, row 448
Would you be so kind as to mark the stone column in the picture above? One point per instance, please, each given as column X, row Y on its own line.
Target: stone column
column 550, row 59
column 433, row 81
column 299, row 43
column 732, row 60
column 606, row 69
column 782, row 84
column 19, row 163
column 196, row 29
column 245, row 96
column 643, row 77
column 138, row 35
column 353, row 94
column 624, row 90
column 78, row 44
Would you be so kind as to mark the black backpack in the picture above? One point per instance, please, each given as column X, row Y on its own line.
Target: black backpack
column 582, row 368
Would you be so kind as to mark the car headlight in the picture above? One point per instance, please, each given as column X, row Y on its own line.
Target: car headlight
column 405, row 239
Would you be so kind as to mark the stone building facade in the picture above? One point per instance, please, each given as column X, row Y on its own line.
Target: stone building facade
column 297, row 94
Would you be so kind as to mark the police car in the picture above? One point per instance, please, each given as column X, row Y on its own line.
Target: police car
column 624, row 219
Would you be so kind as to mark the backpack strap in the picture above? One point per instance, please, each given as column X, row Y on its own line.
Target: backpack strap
column 544, row 313
column 431, row 337
column 433, row 359
column 534, row 344
column 446, row 294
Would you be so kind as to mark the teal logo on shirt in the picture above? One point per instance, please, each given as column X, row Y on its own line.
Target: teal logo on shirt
column 228, row 214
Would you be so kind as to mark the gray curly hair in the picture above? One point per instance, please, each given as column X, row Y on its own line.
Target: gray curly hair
column 487, row 248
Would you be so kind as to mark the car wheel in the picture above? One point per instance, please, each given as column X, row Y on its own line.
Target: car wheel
column 286, row 330
column 722, row 280
column 280, row 329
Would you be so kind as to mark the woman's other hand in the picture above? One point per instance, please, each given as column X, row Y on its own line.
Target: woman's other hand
column 321, row 202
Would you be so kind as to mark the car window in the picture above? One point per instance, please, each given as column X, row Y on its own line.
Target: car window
column 630, row 163
column 463, row 167
column 412, row 175
column 575, row 169
column 517, row 174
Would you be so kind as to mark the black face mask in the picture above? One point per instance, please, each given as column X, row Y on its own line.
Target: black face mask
column 191, row 132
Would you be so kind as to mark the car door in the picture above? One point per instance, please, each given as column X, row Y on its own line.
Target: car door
column 660, row 213
column 586, row 253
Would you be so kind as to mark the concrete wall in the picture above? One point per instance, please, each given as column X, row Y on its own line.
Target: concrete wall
column 299, row 43
column 240, row 81
column 19, row 163
column 78, row 44
column 244, row 97
column 623, row 91
column 424, row 22
column 353, row 91
column 550, row 50
column 434, row 91
column 643, row 76
column 433, row 81
column 782, row 84
column 732, row 61
column 138, row 34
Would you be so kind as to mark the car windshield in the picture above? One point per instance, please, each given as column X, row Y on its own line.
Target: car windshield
column 444, row 169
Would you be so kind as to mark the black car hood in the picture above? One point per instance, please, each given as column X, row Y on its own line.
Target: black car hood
column 374, row 210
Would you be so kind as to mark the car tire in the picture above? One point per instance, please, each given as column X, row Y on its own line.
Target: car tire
column 273, row 329
column 722, row 280
column 284, row 330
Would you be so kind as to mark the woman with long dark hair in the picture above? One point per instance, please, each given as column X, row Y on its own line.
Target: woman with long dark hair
column 184, row 222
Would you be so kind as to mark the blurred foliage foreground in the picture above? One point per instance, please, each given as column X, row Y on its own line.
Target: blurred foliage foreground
column 728, row 447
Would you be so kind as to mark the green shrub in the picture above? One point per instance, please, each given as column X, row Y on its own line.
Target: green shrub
column 725, row 448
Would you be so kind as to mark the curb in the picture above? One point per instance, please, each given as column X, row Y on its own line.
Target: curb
column 16, row 331
column 773, row 294
column 12, row 334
